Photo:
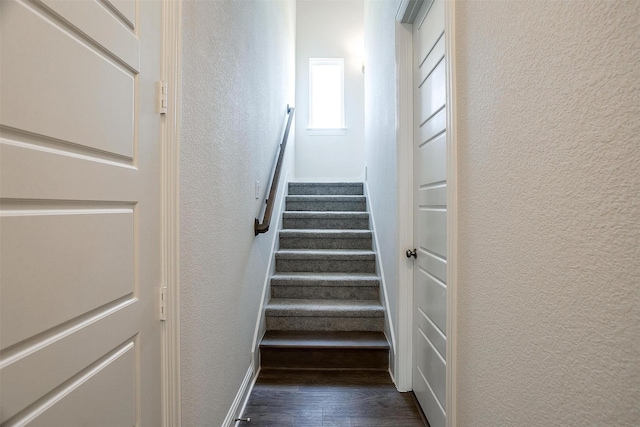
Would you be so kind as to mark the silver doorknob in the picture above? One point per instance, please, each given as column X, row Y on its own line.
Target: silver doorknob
column 412, row 253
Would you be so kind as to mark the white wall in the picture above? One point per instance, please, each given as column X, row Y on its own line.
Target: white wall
column 380, row 137
column 238, row 77
column 549, row 194
column 330, row 29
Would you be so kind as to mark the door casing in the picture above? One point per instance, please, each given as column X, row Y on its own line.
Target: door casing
column 170, row 132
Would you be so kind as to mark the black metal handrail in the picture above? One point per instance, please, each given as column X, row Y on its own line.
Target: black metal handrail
column 266, row 220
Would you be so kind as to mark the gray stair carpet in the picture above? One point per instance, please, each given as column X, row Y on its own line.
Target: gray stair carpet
column 325, row 310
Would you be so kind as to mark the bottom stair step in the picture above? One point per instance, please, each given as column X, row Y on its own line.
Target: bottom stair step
column 324, row 350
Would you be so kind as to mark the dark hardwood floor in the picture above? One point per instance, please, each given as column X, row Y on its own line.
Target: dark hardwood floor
column 305, row 398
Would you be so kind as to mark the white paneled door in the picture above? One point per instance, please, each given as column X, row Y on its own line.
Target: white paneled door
column 430, row 212
column 80, row 248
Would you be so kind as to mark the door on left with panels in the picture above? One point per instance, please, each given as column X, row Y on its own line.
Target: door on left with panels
column 80, row 237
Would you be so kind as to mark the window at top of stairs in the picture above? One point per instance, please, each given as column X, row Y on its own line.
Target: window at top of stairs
column 326, row 94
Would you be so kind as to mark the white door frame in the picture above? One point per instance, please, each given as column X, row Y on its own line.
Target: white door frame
column 171, row 74
column 404, row 137
column 404, row 58
column 452, row 211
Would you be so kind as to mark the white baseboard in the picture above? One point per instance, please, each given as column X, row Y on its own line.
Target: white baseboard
column 240, row 402
column 385, row 298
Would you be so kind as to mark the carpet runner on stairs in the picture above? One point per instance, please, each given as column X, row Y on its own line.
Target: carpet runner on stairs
column 325, row 310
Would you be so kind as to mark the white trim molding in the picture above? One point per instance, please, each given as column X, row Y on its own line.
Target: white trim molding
column 171, row 73
column 404, row 137
column 452, row 213
column 388, row 321
column 242, row 397
column 408, row 10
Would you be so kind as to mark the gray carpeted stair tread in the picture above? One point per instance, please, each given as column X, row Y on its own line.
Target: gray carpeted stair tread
column 325, row 220
column 324, row 323
column 324, row 339
column 319, row 206
column 326, row 198
column 324, row 203
column 354, row 286
column 325, row 239
column 326, row 233
column 325, row 253
column 325, row 214
column 323, row 308
column 325, row 188
column 325, row 279
column 344, row 261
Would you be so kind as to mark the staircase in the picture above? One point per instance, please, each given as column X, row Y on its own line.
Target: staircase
column 325, row 310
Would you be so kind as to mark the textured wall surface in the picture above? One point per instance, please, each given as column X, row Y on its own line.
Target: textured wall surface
column 549, row 193
column 380, row 135
column 238, row 77
column 330, row 29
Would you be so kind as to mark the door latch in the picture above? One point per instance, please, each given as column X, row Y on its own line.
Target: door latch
column 412, row 253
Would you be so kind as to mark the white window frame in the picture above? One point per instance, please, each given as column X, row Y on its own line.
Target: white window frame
column 315, row 130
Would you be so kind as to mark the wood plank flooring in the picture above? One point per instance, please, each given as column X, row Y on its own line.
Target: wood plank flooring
column 306, row 398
